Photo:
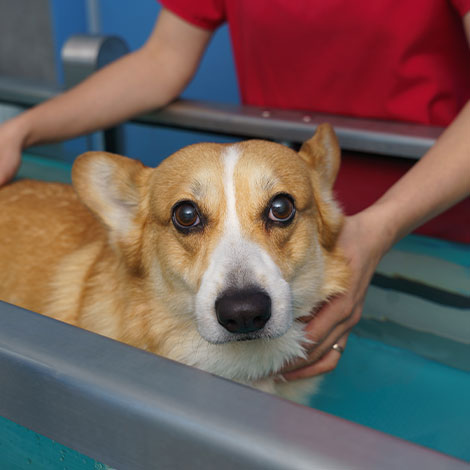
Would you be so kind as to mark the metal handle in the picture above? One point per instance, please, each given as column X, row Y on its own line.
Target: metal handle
column 363, row 135
column 84, row 54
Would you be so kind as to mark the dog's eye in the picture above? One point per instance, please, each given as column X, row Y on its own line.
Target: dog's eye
column 186, row 215
column 282, row 209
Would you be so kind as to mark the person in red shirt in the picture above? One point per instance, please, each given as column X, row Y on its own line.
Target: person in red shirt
column 390, row 59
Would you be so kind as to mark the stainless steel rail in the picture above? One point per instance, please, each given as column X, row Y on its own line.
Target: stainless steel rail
column 133, row 410
column 362, row 135
column 82, row 55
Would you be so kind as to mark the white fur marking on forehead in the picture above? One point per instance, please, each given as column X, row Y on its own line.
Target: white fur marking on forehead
column 230, row 159
column 237, row 263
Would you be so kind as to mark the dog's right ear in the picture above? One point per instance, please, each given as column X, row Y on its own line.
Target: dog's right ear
column 110, row 186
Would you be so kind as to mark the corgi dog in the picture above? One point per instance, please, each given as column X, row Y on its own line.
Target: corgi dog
column 209, row 259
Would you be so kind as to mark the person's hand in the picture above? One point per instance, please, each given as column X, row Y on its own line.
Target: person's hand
column 363, row 242
column 11, row 144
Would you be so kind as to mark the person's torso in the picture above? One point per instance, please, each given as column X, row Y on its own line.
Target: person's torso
column 390, row 59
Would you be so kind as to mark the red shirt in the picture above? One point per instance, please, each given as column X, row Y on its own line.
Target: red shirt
column 390, row 59
column 386, row 59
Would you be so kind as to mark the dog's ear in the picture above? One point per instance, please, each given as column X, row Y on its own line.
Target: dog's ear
column 110, row 186
column 322, row 153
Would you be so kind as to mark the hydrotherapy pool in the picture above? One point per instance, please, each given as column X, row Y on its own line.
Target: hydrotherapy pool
column 385, row 387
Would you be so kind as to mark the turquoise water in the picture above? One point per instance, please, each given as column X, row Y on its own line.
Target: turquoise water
column 458, row 253
column 45, row 169
column 22, row 449
column 400, row 393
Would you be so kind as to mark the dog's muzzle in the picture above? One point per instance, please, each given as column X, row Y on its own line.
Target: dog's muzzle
column 243, row 310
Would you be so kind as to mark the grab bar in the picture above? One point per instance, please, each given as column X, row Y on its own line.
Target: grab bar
column 84, row 54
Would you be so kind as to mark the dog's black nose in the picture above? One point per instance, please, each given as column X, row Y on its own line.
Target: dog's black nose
column 244, row 310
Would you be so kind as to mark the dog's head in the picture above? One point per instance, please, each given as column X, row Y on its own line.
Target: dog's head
column 239, row 238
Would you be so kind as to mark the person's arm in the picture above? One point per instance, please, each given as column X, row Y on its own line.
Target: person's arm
column 146, row 79
column 439, row 180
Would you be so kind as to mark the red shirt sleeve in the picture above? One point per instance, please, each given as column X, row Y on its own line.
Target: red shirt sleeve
column 462, row 6
column 207, row 14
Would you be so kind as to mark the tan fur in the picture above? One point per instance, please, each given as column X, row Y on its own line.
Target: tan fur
column 111, row 261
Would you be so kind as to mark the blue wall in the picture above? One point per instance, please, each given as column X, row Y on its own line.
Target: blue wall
column 133, row 21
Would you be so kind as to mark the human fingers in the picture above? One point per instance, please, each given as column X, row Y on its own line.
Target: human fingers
column 10, row 151
column 340, row 314
column 325, row 364
column 316, row 351
column 337, row 311
column 334, row 320
column 9, row 164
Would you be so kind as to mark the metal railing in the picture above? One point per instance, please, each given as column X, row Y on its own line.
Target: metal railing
column 133, row 410
column 84, row 54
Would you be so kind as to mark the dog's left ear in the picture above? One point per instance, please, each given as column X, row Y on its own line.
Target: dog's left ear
column 110, row 186
column 323, row 154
